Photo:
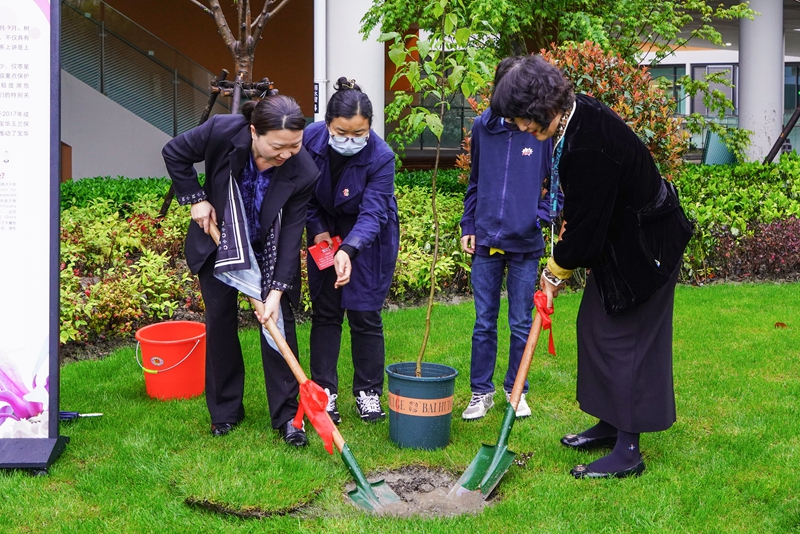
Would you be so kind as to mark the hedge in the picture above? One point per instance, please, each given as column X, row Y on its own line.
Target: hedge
column 122, row 268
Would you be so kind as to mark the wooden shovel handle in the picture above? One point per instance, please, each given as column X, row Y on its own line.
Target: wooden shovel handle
column 298, row 372
column 283, row 347
column 527, row 357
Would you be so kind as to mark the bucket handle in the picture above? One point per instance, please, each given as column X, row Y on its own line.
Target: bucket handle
column 156, row 371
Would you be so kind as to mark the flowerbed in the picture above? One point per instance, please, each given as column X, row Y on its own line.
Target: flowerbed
column 123, row 268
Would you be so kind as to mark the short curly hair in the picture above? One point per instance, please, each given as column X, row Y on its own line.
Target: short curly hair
column 533, row 89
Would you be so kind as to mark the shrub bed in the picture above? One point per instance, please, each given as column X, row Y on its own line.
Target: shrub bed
column 734, row 204
column 123, row 268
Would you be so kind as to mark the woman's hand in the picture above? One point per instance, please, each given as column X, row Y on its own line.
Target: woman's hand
column 272, row 307
column 468, row 243
column 341, row 263
column 324, row 236
column 203, row 214
column 548, row 289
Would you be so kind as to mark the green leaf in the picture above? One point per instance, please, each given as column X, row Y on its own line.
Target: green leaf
column 434, row 124
column 455, row 77
column 389, row 36
column 423, row 48
column 462, row 36
column 450, row 23
column 398, row 54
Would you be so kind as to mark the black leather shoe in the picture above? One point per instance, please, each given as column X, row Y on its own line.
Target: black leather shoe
column 583, row 471
column 293, row 436
column 581, row 443
column 222, row 429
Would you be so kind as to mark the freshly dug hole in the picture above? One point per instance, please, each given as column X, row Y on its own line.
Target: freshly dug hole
column 423, row 492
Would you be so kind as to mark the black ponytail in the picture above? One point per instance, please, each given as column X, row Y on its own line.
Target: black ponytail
column 277, row 112
column 348, row 101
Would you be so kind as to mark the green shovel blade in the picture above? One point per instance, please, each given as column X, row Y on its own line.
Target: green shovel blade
column 367, row 496
column 374, row 496
column 490, row 464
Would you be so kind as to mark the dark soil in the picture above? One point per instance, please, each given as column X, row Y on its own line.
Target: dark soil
column 425, row 492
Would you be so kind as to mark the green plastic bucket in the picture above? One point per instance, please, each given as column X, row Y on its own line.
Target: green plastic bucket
column 420, row 409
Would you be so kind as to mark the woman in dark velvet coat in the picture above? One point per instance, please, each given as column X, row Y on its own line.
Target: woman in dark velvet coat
column 261, row 150
column 625, row 224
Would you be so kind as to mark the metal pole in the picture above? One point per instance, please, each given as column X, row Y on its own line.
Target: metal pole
column 782, row 137
column 102, row 53
column 175, row 104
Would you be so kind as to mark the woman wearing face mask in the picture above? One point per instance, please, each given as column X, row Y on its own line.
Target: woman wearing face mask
column 258, row 156
column 354, row 200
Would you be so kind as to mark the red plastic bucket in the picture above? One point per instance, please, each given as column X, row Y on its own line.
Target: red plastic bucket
column 173, row 359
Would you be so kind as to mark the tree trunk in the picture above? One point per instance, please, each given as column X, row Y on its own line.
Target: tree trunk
column 244, row 67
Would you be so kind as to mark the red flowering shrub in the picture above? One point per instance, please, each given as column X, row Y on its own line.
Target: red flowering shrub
column 627, row 89
column 765, row 252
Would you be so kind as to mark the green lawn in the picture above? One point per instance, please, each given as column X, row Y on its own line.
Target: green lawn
column 727, row 465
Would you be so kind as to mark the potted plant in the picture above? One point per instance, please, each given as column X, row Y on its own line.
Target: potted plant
column 448, row 62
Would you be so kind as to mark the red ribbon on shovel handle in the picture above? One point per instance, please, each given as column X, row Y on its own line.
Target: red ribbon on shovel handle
column 540, row 301
column 314, row 404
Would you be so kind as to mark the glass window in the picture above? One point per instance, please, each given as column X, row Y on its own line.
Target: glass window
column 671, row 73
column 699, row 72
column 790, row 88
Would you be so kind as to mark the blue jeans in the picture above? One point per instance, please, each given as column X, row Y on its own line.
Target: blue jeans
column 487, row 278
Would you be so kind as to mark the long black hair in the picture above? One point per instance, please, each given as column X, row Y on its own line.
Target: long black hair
column 348, row 101
column 531, row 88
column 276, row 112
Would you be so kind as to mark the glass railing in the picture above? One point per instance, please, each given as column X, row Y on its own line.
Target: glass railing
column 106, row 50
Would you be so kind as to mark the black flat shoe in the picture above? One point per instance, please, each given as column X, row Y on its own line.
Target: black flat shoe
column 293, row 436
column 222, row 429
column 581, row 443
column 583, row 471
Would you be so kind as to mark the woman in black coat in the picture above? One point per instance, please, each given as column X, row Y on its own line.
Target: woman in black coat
column 624, row 223
column 261, row 150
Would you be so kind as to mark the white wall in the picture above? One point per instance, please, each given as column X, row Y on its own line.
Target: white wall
column 349, row 55
column 106, row 138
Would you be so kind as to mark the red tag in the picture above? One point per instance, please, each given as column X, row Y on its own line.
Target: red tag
column 323, row 254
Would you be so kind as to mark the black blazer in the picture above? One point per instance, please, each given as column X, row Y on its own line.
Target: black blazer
column 224, row 144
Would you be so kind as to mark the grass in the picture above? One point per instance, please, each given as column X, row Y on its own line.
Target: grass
column 728, row 464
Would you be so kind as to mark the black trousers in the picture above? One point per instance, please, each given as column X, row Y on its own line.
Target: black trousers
column 366, row 341
column 224, row 363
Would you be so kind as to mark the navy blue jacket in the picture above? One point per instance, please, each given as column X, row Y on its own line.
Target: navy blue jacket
column 362, row 210
column 504, row 196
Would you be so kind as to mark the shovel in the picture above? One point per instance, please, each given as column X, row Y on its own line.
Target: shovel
column 369, row 496
column 492, row 461
column 313, row 403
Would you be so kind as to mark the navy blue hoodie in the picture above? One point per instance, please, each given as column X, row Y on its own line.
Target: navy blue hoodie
column 504, row 196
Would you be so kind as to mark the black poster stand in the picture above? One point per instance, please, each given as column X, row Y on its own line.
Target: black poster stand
column 38, row 454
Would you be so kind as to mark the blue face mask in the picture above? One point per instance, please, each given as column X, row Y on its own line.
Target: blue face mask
column 347, row 146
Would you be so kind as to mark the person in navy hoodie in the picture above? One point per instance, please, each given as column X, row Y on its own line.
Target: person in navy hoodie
column 503, row 207
column 354, row 200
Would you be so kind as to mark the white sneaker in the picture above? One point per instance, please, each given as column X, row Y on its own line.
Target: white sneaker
column 523, row 410
column 479, row 404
